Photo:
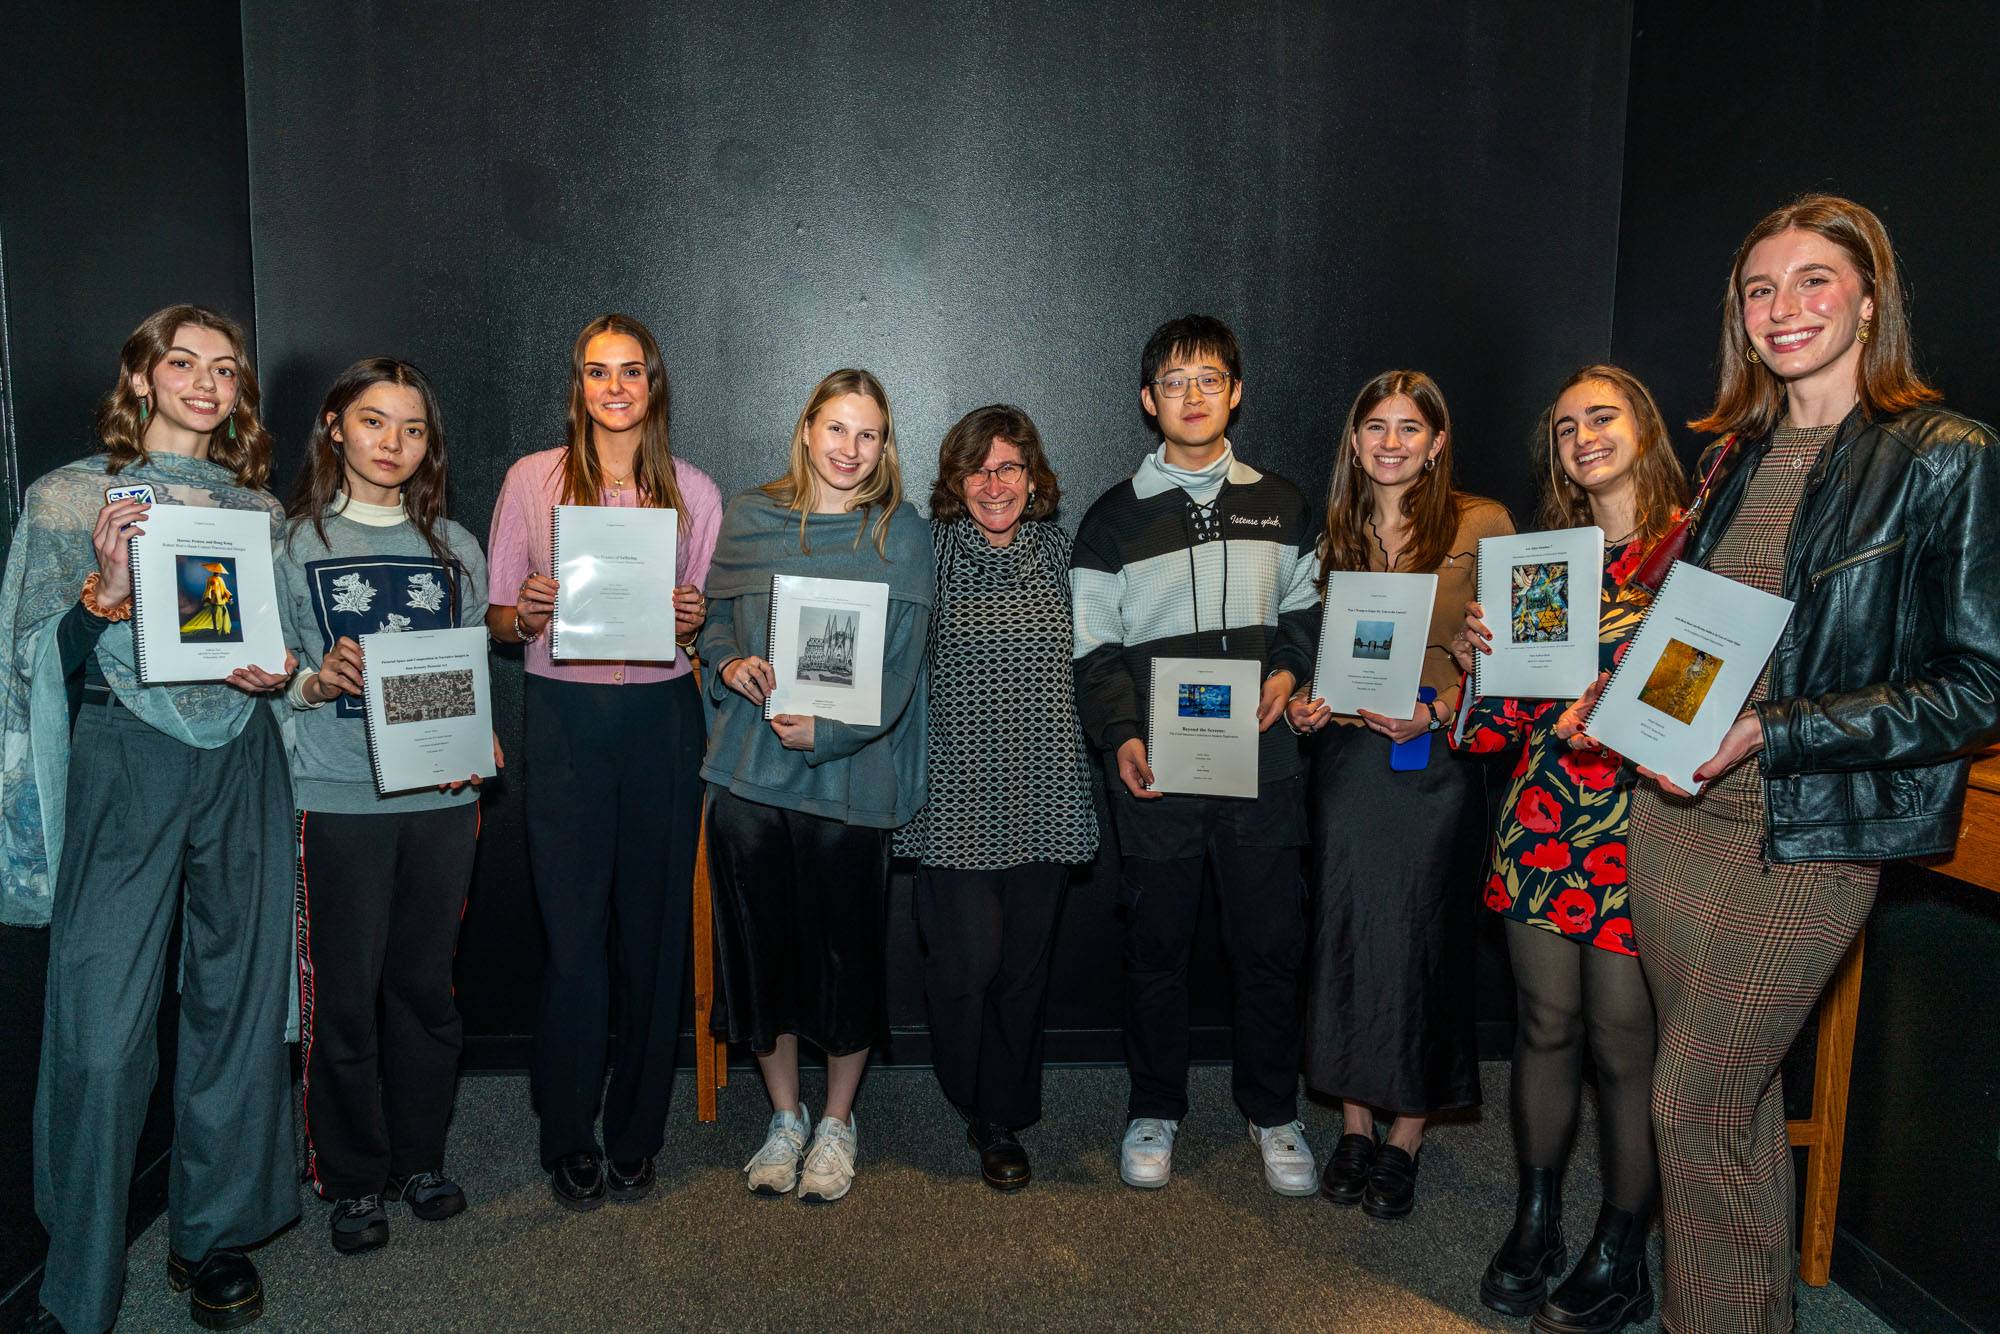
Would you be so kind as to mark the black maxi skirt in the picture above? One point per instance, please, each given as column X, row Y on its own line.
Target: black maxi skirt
column 1393, row 874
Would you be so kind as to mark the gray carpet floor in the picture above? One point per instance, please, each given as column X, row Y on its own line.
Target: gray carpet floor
column 920, row 1243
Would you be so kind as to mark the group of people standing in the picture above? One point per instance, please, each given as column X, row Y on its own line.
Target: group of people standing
column 1681, row 938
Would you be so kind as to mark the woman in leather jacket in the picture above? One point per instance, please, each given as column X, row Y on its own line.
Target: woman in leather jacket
column 1855, row 496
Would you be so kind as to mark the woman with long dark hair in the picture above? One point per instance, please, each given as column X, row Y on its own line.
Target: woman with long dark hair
column 1845, row 488
column 128, row 804
column 609, row 758
column 800, row 806
column 1009, row 779
column 1389, row 1024
column 1557, row 876
column 382, row 879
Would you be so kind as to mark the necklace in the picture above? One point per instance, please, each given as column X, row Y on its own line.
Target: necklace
column 1621, row 541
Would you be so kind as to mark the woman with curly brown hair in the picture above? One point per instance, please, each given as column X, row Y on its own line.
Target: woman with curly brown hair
column 1010, row 806
column 128, row 803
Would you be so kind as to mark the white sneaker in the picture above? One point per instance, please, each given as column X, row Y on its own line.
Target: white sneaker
column 774, row 1169
column 1288, row 1159
column 829, row 1168
column 1146, row 1158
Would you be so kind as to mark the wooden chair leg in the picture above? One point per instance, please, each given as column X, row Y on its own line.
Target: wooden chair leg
column 710, row 1072
column 1825, row 1134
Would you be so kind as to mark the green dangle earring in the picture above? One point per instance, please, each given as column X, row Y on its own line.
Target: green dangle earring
column 142, row 409
column 232, row 426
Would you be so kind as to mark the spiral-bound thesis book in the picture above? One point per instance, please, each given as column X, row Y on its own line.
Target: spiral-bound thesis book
column 1541, row 595
column 1695, row 659
column 1373, row 632
column 827, row 641
column 1201, row 726
column 614, row 569
column 204, row 601
column 428, row 706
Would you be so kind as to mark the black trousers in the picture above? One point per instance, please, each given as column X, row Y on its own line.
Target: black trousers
column 613, row 815
column 380, row 899
column 987, row 938
column 799, row 926
column 1261, row 894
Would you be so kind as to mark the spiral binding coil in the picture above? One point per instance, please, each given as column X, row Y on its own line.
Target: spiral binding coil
column 1637, row 630
column 555, row 566
column 771, row 648
column 1152, row 699
column 368, row 720
column 138, row 610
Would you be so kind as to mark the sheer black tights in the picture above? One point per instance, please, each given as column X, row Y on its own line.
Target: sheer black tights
column 1568, row 991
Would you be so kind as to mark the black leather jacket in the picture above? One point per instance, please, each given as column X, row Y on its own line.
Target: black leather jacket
column 1887, row 678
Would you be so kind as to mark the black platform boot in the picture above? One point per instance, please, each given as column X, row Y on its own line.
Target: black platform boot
column 1610, row 1287
column 1527, row 1263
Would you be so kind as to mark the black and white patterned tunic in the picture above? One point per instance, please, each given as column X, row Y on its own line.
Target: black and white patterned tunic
column 1009, row 775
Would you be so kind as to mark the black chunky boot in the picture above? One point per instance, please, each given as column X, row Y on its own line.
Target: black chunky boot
column 1610, row 1287
column 1527, row 1263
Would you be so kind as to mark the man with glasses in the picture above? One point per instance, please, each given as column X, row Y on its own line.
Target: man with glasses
column 1200, row 555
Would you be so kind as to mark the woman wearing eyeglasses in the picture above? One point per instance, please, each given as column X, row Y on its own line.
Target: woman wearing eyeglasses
column 1010, row 809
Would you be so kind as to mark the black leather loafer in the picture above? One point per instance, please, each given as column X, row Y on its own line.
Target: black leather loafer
column 1392, row 1184
column 629, row 1181
column 578, row 1182
column 1003, row 1163
column 223, row 1289
column 1345, row 1175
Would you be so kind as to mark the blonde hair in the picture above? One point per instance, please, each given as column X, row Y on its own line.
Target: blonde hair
column 798, row 489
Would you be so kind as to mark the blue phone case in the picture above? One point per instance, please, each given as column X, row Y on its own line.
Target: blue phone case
column 1416, row 752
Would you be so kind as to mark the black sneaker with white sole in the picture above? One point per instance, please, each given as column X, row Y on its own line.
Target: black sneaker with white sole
column 358, row 1225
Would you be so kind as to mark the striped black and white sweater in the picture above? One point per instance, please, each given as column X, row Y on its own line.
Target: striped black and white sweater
column 1173, row 564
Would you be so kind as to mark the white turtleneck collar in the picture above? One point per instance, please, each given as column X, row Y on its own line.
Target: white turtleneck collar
column 1156, row 475
column 367, row 515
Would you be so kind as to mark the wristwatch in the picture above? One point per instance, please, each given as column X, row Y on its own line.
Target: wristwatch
column 1437, row 723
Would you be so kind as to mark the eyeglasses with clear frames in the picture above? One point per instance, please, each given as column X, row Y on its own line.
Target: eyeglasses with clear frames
column 1174, row 386
column 1004, row 473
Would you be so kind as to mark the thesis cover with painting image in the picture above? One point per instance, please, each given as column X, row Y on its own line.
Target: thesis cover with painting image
column 827, row 637
column 1541, row 593
column 428, row 702
column 204, row 599
column 1371, row 641
column 1201, row 733
column 1680, row 685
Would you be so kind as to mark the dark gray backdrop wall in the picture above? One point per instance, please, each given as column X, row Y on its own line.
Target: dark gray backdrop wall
column 1847, row 96
column 123, row 188
column 979, row 202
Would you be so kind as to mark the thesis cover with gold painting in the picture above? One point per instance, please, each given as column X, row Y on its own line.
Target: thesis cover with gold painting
column 1696, row 658
column 204, row 600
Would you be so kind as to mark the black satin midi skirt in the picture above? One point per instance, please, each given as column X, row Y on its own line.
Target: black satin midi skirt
column 800, row 926
column 1394, row 882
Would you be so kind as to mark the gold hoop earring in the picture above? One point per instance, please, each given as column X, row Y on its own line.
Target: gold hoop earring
column 1431, row 463
column 1867, row 328
column 1750, row 355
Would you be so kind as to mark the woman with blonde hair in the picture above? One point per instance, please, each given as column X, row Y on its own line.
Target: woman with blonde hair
column 1394, row 814
column 800, row 807
column 128, row 805
column 1557, row 876
column 609, row 754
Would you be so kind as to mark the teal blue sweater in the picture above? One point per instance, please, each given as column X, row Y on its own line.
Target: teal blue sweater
column 868, row 776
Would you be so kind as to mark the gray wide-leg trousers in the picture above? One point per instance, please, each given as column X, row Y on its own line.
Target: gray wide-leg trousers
column 153, row 826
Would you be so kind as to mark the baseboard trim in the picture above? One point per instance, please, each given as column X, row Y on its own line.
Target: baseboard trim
column 1889, row 1292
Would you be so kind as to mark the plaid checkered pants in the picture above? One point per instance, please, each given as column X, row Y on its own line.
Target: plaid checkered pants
column 1737, row 954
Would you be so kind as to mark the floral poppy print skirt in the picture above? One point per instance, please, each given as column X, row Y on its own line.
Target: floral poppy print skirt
column 1558, row 858
column 1394, row 873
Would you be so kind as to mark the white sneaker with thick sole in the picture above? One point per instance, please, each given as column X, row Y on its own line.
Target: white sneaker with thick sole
column 1288, row 1159
column 829, row 1168
column 1146, row 1158
column 774, row 1169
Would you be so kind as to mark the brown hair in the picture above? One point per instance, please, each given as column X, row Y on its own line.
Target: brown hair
column 1749, row 398
column 653, row 466
column 1660, row 484
column 325, row 470
column 964, row 453
column 1431, row 505
column 121, row 426
column 798, row 489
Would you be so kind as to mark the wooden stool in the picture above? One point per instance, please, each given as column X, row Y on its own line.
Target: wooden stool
column 1823, row 1134
column 711, row 1054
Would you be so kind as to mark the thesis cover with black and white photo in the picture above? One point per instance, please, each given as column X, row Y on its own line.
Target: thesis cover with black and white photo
column 827, row 641
column 428, row 707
